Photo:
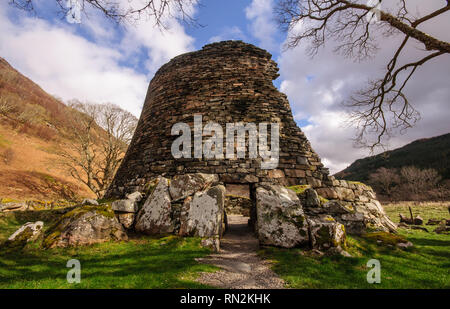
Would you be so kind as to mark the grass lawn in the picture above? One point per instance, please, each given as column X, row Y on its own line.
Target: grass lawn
column 170, row 262
column 426, row 265
column 142, row 263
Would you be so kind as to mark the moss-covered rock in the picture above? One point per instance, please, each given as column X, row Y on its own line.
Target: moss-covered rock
column 326, row 233
column 26, row 233
column 83, row 226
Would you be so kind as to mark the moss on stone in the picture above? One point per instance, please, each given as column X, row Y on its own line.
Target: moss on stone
column 324, row 235
column 385, row 238
column 299, row 189
column 19, row 242
column 323, row 200
column 150, row 186
column 53, row 233
column 9, row 200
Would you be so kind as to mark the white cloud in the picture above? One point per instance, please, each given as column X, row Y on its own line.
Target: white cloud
column 262, row 26
column 229, row 33
column 70, row 66
column 317, row 86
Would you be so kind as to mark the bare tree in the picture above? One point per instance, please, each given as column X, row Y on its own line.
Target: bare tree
column 130, row 10
column 99, row 137
column 384, row 179
column 416, row 180
column 383, row 106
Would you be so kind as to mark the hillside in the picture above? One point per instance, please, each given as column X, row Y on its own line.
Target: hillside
column 431, row 152
column 32, row 125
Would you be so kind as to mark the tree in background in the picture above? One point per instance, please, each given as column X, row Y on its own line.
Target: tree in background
column 418, row 181
column 384, row 180
column 99, row 137
column 407, row 183
column 382, row 107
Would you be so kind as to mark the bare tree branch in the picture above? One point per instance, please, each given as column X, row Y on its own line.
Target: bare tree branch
column 382, row 107
column 156, row 10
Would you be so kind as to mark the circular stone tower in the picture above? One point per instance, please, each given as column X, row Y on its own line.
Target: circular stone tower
column 225, row 82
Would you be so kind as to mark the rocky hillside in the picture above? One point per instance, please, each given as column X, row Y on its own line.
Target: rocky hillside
column 32, row 125
column 424, row 153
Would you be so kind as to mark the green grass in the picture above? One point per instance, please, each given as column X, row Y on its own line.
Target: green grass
column 427, row 210
column 426, row 265
column 146, row 262
column 170, row 262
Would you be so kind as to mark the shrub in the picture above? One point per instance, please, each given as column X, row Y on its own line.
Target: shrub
column 40, row 131
column 45, row 133
column 8, row 156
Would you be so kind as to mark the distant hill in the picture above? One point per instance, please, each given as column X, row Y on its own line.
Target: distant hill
column 431, row 152
column 32, row 124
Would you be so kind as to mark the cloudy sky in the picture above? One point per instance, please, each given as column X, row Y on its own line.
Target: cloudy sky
column 102, row 62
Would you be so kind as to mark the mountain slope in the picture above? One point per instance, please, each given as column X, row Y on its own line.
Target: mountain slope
column 32, row 125
column 431, row 152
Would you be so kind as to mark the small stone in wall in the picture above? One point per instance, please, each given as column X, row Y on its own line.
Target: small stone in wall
column 127, row 206
column 185, row 185
column 13, row 206
column 338, row 208
column 312, row 198
column 126, row 219
column 135, row 196
column 89, row 201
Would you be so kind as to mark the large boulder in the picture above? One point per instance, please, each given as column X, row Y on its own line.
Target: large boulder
column 155, row 217
column 202, row 215
column 185, row 185
column 84, row 226
column 280, row 218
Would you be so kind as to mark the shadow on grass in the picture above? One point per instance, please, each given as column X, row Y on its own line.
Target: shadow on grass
column 430, row 242
column 122, row 265
column 424, row 266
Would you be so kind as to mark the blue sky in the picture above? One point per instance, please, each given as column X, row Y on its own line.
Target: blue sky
column 99, row 61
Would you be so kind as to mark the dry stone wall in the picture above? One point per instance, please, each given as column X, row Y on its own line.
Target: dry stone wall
column 225, row 82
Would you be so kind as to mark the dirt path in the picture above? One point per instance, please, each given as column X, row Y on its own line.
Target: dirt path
column 242, row 268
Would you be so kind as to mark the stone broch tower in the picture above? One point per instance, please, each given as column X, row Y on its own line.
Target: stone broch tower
column 226, row 82
column 231, row 82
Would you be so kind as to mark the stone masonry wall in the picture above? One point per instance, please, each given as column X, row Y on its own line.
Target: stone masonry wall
column 225, row 82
